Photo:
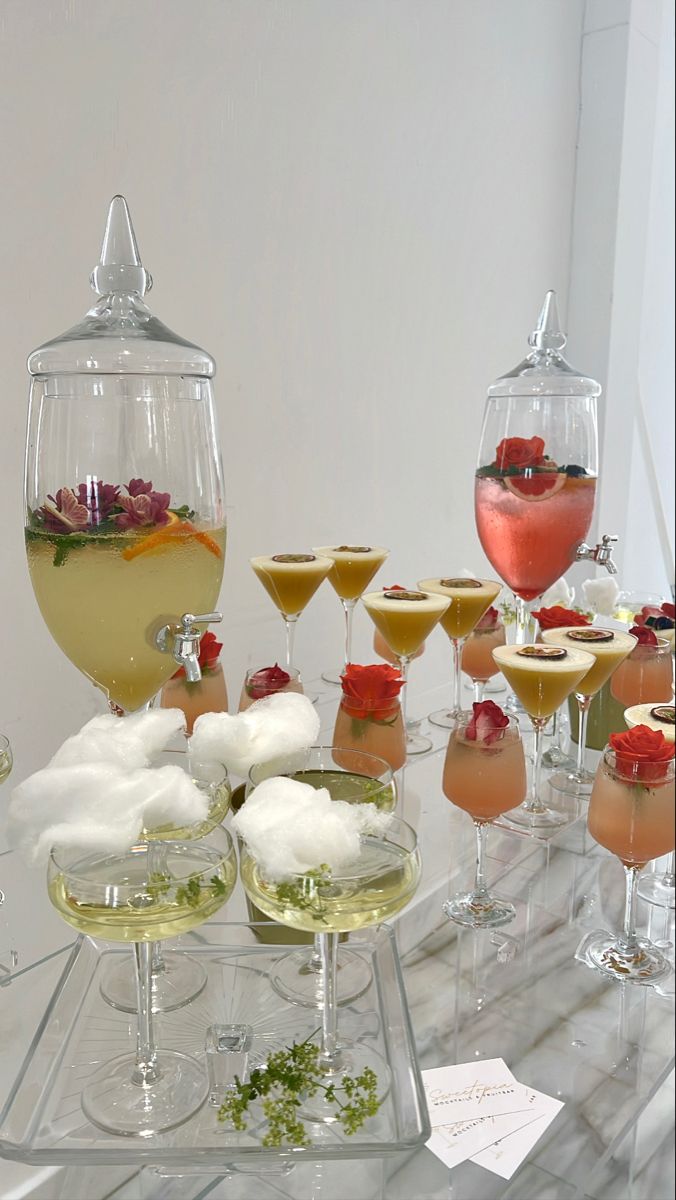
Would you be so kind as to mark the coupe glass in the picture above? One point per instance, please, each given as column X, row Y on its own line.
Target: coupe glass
column 291, row 581
column 631, row 813
column 645, row 676
column 537, row 468
column 353, row 569
column 380, row 882
column 542, row 677
column 468, row 601
column 153, row 891
column 609, row 648
column 405, row 619
column 357, row 778
column 175, row 979
column 485, row 778
column 124, row 508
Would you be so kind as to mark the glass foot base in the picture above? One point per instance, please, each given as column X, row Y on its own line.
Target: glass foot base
column 354, row 1058
column 296, row 978
column 573, row 783
column 514, row 705
column 556, row 757
column 655, row 890
column 602, row 951
column 536, row 818
column 445, row 718
column 182, row 980
column 333, row 676
column 479, row 914
column 113, row 1102
column 415, row 744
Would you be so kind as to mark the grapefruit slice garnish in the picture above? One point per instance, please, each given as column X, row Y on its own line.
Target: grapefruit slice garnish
column 542, row 485
column 174, row 530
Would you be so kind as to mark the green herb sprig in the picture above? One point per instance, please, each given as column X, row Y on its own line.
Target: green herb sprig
column 289, row 1077
column 190, row 893
column 306, row 895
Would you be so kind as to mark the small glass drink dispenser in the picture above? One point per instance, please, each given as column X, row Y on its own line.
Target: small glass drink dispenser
column 125, row 523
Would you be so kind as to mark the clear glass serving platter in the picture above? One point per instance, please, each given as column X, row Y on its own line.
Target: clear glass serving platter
column 42, row 1121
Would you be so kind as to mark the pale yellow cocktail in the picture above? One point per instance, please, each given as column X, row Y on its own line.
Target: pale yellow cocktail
column 291, row 580
column 542, row 676
column 353, row 567
column 405, row 618
column 609, row 647
column 468, row 601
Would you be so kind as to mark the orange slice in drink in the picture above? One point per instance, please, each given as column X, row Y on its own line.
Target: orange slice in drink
column 540, row 486
column 169, row 533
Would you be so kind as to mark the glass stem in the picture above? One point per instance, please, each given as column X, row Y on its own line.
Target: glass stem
column 669, row 878
column 523, row 622
column 348, row 606
column 479, row 686
column 290, row 627
column 457, row 644
column 403, row 670
column 534, row 803
column 329, row 1056
column 583, row 703
column 145, row 1071
column 629, row 939
column 315, row 962
column 480, row 892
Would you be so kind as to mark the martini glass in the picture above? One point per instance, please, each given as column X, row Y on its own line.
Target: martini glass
column 175, row 979
column 374, row 888
column 468, row 600
column 405, row 619
column 355, row 777
column 631, row 813
column 291, row 581
column 127, row 898
column 542, row 678
column 608, row 648
column 352, row 571
column 485, row 778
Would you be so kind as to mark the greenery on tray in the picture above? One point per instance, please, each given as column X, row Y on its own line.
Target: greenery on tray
column 290, row 1077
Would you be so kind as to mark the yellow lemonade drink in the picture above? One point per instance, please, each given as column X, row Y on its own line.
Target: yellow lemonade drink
column 645, row 675
column 608, row 647
column 291, row 580
column 632, row 819
column 542, row 676
column 477, row 652
column 353, row 567
column 468, row 601
column 405, row 618
column 485, row 779
column 656, row 716
column 103, row 598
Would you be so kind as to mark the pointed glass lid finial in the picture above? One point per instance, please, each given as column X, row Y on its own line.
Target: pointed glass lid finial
column 548, row 334
column 120, row 268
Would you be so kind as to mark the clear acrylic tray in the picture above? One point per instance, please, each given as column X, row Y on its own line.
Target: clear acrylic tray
column 42, row 1121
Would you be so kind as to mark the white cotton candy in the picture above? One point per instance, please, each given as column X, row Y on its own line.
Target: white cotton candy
column 273, row 729
column 98, row 806
column 558, row 593
column 600, row 595
column 291, row 828
column 130, row 742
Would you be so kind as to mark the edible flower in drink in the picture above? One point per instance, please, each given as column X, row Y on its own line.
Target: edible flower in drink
column 368, row 691
column 644, row 635
column 642, row 753
column 488, row 723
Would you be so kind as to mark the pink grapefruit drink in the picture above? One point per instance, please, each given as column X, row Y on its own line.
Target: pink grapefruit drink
column 645, row 675
column 268, row 681
column 477, row 653
column 484, row 779
column 633, row 819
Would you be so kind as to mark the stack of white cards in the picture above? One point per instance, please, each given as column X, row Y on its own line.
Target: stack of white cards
column 480, row 1111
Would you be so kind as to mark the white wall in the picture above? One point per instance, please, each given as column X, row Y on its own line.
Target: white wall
column 355, row 205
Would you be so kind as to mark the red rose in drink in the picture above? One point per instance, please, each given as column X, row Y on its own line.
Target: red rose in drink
column 521, row 453
column 642, row 753
column 489, row 619
column 644, row 634
column 267, row 682
column 557, row 616
column 208, row 655
column 368, row 692
column 488, row 723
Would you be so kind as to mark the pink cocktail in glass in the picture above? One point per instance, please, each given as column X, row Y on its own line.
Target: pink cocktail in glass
column 268, row 681
column 645, row 675
column 477, row 656
column 209, row 694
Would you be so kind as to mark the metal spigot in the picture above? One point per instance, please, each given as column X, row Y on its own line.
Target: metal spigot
column 601, row 553
column 182, row 641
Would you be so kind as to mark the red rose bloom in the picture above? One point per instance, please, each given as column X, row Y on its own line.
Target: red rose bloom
column 642, row 753
column 519, row 452
column 488, row 723
column 267, row 682
column 208, row 655
column 489, row 620
column 644, row 634
column 557, row 616
column 369, row 692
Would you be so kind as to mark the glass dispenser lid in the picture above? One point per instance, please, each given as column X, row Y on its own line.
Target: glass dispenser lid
column 545, row 371
column 120, row 335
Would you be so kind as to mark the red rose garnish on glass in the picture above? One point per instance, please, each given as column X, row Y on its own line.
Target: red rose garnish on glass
column 267, row 682
column 521, row 453
column 210, row 649
column 369, row 692
column 489, row 619
column 644, row 635
column 488, row 723
column 557, row 616
column 642, row 754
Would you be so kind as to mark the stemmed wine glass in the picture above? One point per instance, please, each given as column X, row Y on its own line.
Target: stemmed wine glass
column 657, row 887
column 468, row 601
column 153, row 891
column 291, row 581
column 477, row 653
column 353, row 569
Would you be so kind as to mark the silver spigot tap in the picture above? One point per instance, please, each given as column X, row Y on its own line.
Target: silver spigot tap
column 182, row 641
column 601, row 553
